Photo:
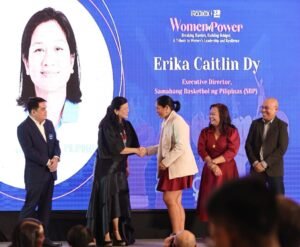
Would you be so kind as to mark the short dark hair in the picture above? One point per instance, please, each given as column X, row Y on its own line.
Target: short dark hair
column 245, row 206
column 26, row 84
column 166, row 100
column 33, row 103
column 26, row 233
column 79, row 236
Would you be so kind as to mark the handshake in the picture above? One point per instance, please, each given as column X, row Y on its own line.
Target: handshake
column 141, row 151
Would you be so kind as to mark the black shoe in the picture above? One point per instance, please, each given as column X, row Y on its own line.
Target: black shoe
column 119, row 242
column 107, row 243
column 49, row 243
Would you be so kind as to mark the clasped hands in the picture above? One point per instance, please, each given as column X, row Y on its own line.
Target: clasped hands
column 214, row 168
column 53, row 164
column 259, row 167
column 141, row 151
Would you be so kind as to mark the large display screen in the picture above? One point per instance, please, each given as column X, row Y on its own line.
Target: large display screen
column 198, row 52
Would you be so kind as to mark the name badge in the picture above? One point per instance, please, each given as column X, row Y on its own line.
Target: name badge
column 51, row 136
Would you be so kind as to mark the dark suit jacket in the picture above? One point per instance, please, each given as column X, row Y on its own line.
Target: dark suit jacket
column 36, row 150
column 275, row 145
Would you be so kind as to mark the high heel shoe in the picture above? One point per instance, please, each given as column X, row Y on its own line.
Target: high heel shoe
column 108, row 243
column 118, row 242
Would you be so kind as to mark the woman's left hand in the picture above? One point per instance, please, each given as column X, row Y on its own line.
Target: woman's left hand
column 162, row 166
column 217, row 170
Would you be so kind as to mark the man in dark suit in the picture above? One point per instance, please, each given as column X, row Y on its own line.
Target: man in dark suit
column 266, row 145
column 41, row 149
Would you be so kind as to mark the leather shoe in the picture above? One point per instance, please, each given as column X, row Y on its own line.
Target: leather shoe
column 49, row 243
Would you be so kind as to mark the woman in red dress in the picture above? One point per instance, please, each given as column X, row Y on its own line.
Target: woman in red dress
column 218, row 144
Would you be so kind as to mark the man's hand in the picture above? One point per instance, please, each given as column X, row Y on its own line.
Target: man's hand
column 53, row 164
column 259, row 167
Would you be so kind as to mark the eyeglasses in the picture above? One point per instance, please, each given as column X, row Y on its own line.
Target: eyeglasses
column 262, row 107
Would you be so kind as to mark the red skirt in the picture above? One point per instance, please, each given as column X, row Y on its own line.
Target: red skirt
column 210, row 182
column 166, row 184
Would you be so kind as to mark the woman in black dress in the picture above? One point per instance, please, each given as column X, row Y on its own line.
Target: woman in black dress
column 109, row 207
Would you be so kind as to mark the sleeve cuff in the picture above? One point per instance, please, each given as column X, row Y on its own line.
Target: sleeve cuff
column 48, row 163
column 58, row 158
column 255, row 163
column 264, row 164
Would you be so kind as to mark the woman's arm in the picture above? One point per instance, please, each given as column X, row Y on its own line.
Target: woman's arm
column 152, row 150
column 233, row 145
column 128, row 150
column 218, row 160
column 201, row 147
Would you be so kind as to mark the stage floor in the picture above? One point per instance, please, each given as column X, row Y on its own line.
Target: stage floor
column 138, row 243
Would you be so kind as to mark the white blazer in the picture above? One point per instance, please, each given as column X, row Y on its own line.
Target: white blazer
column 174, row 148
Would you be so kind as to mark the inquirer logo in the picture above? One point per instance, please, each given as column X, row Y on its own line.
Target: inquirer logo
column 200, row 13
column 215, row 13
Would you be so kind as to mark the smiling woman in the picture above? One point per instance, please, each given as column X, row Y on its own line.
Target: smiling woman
column 218, row 145
column 50, row 62
column 43, row 44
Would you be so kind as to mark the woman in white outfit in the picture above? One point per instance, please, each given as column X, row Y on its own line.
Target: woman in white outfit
column 176, row 164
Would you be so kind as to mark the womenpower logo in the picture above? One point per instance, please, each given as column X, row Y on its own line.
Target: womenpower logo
column 178, row 26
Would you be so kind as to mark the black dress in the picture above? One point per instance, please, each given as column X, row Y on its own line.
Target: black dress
column 110, row 193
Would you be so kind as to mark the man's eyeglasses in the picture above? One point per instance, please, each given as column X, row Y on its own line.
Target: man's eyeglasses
column 262, row 107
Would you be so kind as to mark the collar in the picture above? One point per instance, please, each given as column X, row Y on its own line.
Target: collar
column 267, row 122
column 172, row 114
column 36, row 122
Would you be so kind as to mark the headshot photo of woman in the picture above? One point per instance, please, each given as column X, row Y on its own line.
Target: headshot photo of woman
column 218, row 144
column 50, row 41
column 50, row 65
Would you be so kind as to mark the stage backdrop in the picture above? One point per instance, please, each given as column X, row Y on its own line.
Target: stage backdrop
column 198, row 52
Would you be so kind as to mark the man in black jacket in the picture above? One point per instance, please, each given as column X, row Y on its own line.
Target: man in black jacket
column 266, row 144
column 41, row 149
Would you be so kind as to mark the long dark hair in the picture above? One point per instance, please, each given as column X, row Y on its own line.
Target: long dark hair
column 26, row 84
column 111, row 116
column 225, row 119
column 166, row 100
